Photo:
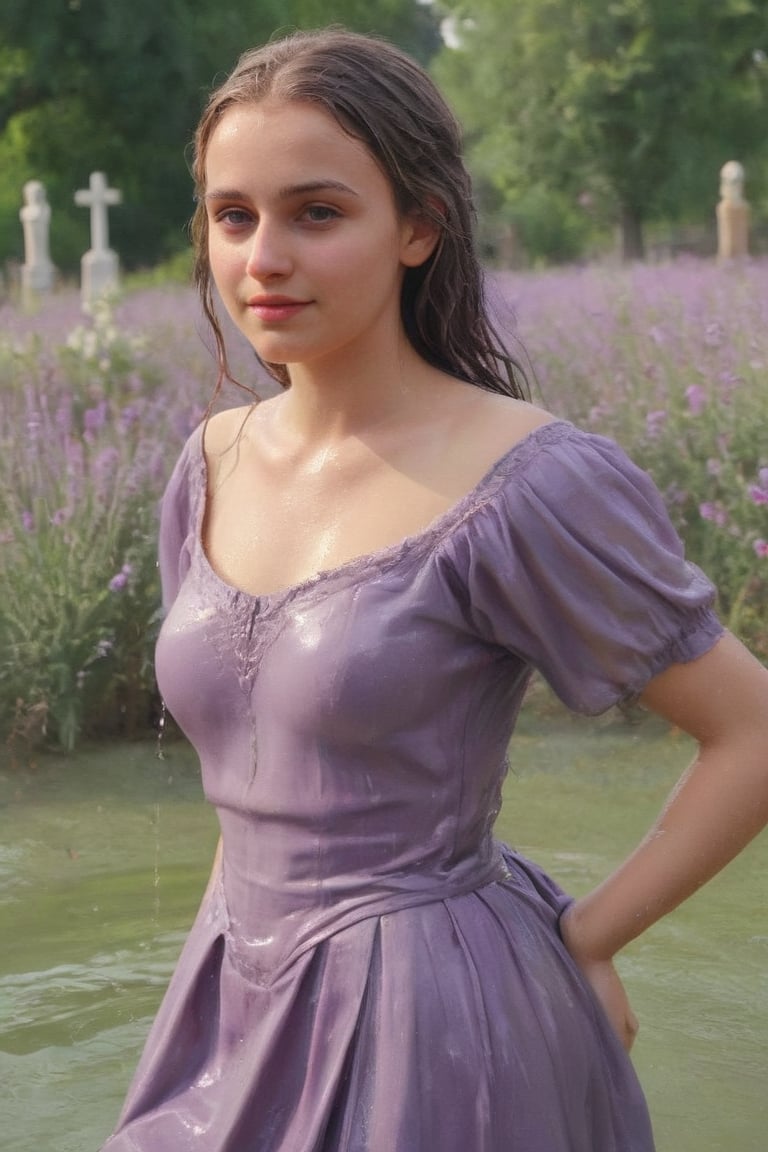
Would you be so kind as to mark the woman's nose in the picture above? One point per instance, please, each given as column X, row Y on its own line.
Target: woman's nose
column 269, row 252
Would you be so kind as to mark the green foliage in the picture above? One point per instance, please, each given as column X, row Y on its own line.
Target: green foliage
column 408, row 23
column 78, row 571
column 87, row 439
column 13, row 159
column 635, row 103
column 549, row 224
column 118, row 87
column 175, row 270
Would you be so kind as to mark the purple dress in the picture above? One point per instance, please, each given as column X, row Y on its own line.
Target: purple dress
column 372, row 971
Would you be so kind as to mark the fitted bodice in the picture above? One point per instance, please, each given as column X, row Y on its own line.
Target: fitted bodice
column 353, row 730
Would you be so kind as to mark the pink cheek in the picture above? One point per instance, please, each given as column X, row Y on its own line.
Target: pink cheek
column 226, row 264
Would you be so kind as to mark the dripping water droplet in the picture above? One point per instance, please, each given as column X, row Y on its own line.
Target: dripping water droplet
column 161, row 731
column 157, row 862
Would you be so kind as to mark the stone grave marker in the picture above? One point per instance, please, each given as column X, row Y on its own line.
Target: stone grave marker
column 37, row 269
column 732, row 214
column 99, row 266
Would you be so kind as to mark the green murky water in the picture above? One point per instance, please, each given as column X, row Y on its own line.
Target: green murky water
column 103, row 859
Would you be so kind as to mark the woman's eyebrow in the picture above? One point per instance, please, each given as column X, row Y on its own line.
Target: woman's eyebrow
column 314, row 186
column 306, row 186
column 287, row 191
column 224, row 194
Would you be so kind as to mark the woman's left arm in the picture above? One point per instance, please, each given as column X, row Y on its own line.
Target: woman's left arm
column 718, row 806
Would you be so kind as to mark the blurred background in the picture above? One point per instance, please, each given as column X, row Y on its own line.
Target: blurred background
column 591, row 125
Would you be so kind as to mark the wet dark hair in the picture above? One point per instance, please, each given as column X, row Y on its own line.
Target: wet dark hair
column 385, row 99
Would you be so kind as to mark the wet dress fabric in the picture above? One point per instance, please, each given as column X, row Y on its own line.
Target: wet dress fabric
column 371, row 971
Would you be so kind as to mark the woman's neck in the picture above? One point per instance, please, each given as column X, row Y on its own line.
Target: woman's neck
column 332, row 401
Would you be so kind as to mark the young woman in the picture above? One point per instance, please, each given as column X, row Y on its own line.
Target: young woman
column 359, row 576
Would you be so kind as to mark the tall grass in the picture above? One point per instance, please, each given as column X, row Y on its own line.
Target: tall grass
column 93, row 413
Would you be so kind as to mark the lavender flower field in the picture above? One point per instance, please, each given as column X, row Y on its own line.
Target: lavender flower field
column 93, row 413
column 670, row 360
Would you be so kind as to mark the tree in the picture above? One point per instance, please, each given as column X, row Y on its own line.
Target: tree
column 116, row 87
column 93, row 84
column 609, row 99
column 412, row 24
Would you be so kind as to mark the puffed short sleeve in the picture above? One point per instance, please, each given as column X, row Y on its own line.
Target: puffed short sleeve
column 177, row 511
column 574, row 565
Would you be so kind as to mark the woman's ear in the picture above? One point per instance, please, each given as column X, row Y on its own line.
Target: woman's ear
column 421, row 234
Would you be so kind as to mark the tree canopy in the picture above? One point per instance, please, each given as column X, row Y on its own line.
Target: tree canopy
column 95, row 85
column 630, row 106
column 578, row 114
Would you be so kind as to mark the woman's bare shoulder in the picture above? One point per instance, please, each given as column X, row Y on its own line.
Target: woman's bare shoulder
column 474, row 431
column 222, row 430
column 497, row 423
column 515, row 415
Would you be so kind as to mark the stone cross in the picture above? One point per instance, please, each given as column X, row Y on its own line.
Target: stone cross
column 35, row 216
column 99, row 265
column 732, row 214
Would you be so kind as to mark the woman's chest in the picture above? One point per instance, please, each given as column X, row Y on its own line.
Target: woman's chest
column 265, row 531
column 360, row 654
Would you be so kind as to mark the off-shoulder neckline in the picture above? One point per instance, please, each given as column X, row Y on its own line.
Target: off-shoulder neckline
column 381, row 559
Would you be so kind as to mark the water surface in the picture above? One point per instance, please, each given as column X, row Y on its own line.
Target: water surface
column 104, row 856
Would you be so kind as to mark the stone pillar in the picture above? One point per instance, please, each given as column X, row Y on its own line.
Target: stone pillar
column 37, row 269
column 732, row 214
column 99, row 265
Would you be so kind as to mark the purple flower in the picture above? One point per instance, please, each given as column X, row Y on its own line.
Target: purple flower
column 762, row 478
column 60, row 516
column 120, row 581
column 761, row 549
column 94, row 419
column 714, row 512
column 27, row 521
column 64, row 414
column 104, row 468
column 654, row 422
column 758, row 494
column 729, row 382
column 128, row 417
column 697, row 398
column 675, row 495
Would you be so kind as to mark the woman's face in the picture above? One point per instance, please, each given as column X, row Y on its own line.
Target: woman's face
column 306, row 246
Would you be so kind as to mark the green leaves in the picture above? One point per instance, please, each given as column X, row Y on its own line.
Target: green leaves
column 91, row 85
column 613, row 98
column 79, row 487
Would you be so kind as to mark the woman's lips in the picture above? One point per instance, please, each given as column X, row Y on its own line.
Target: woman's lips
column 276, row 308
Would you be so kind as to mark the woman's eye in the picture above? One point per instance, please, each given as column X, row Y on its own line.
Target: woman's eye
column 234, row 217
column 320, row 213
